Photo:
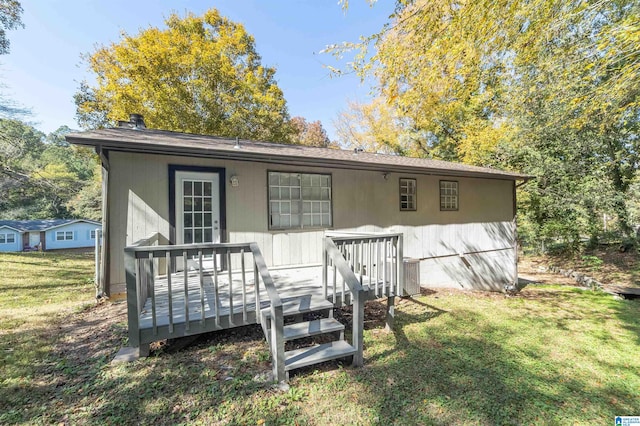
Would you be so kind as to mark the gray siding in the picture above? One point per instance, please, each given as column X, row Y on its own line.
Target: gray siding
column 362, row 201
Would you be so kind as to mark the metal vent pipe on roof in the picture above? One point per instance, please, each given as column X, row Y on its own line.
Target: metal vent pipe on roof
column 137, row 120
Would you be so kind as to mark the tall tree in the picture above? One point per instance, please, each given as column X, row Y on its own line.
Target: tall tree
column 40, row 177
column 546, row 86
column 201, row 74
column 10, row 19
column 308, row 133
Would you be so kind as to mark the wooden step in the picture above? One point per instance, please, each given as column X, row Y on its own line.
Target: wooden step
column 316, row 354
column 301, row 305
column 311, row 328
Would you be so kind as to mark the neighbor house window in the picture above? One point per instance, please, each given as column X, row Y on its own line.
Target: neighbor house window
column 7, row 238
column 299, row 200
column 92, row 234
column 407, row 194
column 448, row 195
column 64, row 235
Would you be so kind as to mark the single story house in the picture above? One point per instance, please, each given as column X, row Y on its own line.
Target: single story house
column 457, row 221
column 47, row 234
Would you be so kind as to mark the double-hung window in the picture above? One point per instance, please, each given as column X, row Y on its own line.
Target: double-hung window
column 64, row 235
column 9, row 238
column 299, row 200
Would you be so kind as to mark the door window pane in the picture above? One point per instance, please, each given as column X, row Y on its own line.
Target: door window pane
column 198, row 211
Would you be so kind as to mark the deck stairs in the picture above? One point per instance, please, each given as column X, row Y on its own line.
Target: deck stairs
column 294, row 309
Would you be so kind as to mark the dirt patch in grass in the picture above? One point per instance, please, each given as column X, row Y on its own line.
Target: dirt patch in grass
column 606, row 264
column 535, row 270
column 97, row 332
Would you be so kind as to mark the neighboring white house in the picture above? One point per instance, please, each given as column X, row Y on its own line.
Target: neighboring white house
column 47, row 234
column 457, row 220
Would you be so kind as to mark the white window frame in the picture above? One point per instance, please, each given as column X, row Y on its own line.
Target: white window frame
column 408, row 194
column 92, row 234
column 449, row 195
column 64, row 236
column 299, row 200
column 4, row 238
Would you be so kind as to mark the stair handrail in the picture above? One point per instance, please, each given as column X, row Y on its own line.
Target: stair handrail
column 277, row 316
column 358, row 297
column 366, row 263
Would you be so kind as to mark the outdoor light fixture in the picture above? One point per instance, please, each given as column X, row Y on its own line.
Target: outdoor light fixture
column 385, row 176
column 234, row 181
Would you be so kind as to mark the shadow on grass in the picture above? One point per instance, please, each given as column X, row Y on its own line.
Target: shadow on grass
column 55, row 382
column 435, row 372
column 442, row 364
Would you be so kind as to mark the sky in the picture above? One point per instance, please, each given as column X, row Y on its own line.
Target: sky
column 44, row 67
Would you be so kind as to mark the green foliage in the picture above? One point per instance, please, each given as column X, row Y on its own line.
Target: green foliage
column 201, row 74
column 548, row 88
column 592, row 262
column 42, row 177
column 10, row 19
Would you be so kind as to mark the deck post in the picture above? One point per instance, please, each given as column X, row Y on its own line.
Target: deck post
column 324, row 271
column 358, row 327
column 277, row 343
column 133, row 310
column 391, row 313
column 400, row 263
column 96, row 260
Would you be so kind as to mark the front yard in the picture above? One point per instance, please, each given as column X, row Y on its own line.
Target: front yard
column 550, row 355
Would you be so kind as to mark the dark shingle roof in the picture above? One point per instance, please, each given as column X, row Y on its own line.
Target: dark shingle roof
column 40, row 225
column 174, row 143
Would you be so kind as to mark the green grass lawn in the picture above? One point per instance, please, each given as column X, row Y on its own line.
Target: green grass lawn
column 551, row 355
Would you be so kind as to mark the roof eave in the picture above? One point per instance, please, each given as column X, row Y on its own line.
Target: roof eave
column 70, row 223
column 136, row 147
column 11, row 227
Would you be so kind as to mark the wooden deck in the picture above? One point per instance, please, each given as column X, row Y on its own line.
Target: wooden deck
column 164, row 304
column 215, row 301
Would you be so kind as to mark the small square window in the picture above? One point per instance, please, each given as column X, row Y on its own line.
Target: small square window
column 408, row 200
column 448, row 195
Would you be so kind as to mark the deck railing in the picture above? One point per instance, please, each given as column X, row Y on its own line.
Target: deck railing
column 145, row 261
column 365, row 263
column 376, row 260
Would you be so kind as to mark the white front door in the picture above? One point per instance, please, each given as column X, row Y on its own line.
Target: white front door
column 197, row 212
column 34, row 239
